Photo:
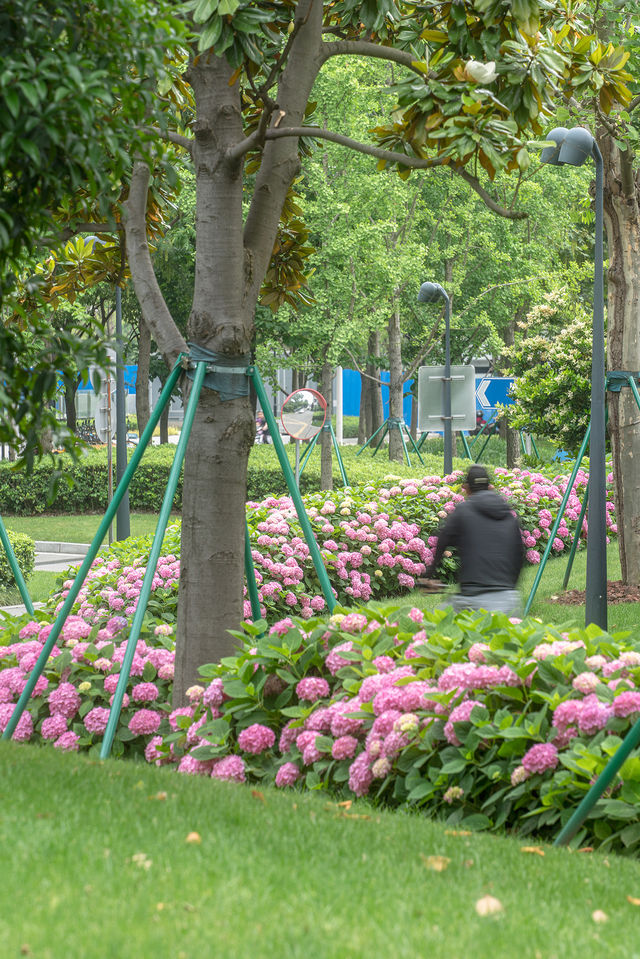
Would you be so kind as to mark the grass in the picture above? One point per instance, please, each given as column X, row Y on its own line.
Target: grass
column 65, row 528
column 100, row 866
column 621, row 615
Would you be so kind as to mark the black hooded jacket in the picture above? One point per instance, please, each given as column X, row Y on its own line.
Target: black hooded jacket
column 486, row 536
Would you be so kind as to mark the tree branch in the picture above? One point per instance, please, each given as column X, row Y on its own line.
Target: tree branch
column 486, row 197
column 185, row 142
column 363, row 48
column 416, row 163
column 155, row 312
column 374, row 379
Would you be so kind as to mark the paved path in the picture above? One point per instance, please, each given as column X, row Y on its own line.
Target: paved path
column 55, row 557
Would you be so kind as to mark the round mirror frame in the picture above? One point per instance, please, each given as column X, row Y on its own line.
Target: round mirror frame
column 308, row 427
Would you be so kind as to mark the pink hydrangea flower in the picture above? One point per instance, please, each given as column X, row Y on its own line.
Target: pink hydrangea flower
column 65, row 700
column 96, row 720
column 344, row 747
column 194, row 767
column 230, row 767
column 312, row 688
column 53, row 726
column 145, row 722
column 360, row 775
column 626, row 703
column 67, row 742
column 540, row 758
column 459, row 714
column 145, row 693
column 287, row 775
column 256, row 738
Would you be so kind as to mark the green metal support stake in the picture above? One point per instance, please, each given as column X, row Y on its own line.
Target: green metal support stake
column 343, row 472
column 294, row 492
column 486, row 443
column 413, row 443
column 466, row 445
column 522, row 443
column 398, row 426
column 372, row 437
column 154, row 555
column 554, row 528
column 250, row 573
column 385, row 426
column 81, row 575
column 576, row 538
column 533, row 443
column 310, row 449
column 605, row 778
column 15, row 569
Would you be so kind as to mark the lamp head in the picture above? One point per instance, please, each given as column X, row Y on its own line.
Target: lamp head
column 551, row 153
column 577, row 147
column 431, row 292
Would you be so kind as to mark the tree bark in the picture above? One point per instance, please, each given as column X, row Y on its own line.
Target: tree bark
column 395, row 385
column 143, row 411
column 70, row 390
column 326, row 451
column 622, row 219
column 164, row 425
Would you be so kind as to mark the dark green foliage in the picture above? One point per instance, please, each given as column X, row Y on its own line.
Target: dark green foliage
column 25, row 553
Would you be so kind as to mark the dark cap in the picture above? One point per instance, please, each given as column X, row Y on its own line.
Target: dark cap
column 477, row 478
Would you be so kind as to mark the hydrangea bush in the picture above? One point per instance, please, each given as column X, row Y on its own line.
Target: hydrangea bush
column 487, row 722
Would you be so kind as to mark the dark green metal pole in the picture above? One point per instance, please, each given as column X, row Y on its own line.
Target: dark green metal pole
column 123, row 520
column 343, row 472
column 446, row 397
column 152, row 562
column 554, row 528
column 15, row 568
column 596, row 591
column 576, row 538
column 398, row 426
column 466, row 445
column 250, row 574
column 385, row 426
column 81, row 575
column 294, row 492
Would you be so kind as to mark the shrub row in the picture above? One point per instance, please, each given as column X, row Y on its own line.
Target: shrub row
column 70, row 487
column 24, row 550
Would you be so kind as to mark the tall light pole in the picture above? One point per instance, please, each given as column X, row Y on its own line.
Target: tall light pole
column 573, row 147
column 431, row 293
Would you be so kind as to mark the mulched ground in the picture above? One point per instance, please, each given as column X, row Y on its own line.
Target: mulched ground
column 617, row 592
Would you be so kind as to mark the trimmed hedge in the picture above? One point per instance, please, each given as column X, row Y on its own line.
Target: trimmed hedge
column 24, row 549
column 85, row 487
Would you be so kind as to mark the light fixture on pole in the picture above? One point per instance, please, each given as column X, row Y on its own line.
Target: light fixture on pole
column 573, row 147
column 431, row 293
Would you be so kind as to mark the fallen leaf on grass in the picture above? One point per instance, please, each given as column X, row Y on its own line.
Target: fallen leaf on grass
column 458, row 832
column 633, row 900
column 489, row 906
column 535, row 850
column 258, row 795
column 25, row 950
column 159, row 796
column 193, row 837
column 586, row 849
column 599, row 916
column 352, row 815
column 437, row 863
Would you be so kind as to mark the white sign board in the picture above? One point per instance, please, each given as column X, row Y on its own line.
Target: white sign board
column 431, row 398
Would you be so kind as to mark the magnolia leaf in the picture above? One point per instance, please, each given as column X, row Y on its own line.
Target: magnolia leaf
column 436, row 863
column 534, row 850
column 489, row 906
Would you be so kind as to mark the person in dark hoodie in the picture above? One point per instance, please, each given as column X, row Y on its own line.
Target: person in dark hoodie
column 486, row 536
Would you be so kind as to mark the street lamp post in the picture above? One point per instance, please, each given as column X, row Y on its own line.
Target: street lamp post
column 430, row 293
column 574, row 147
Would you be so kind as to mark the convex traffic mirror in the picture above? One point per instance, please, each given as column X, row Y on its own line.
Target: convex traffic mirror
column 303, row 414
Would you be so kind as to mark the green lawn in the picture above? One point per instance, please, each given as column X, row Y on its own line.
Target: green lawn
column 60, row 527
column 99, row 866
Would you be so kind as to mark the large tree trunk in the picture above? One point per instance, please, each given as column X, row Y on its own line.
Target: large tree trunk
column 143, row 411
column 70, row 390
column 395, row 385
column 326, row 451
column 230, row 266
column 622, row 218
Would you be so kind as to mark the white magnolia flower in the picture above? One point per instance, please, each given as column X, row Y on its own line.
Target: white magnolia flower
column 481, row 72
